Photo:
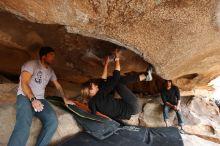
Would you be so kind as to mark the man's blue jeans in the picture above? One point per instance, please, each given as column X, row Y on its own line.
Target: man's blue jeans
column 166, row 110
column 24, row 115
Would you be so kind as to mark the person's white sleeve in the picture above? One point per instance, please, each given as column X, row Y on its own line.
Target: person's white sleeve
column 53, row 76
column 29, row 67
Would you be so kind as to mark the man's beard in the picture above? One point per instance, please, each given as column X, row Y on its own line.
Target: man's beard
column 47, row 63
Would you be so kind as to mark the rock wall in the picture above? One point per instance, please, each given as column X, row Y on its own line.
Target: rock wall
column 180, row 38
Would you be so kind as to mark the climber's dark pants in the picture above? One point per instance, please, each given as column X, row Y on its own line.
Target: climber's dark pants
column 126, row 94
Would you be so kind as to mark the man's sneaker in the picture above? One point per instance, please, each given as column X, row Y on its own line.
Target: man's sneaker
column 148, row 73
column 180, row 127
column 149, row 68
column 182, row 131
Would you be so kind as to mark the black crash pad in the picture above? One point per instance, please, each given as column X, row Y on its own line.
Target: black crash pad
column 143, row 137
column 100, row 131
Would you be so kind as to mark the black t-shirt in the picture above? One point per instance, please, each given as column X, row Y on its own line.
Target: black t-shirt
column 172, row 95
column 105, row 102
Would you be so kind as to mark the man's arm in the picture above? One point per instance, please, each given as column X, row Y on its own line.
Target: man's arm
column 117, row 60
column 178, row 105
column 62, row 94
column 178, row 99
column 59, row 88
column 105, row 70
column 163, row 96
column 111, row 83
column 25, row 79
column 170, row 105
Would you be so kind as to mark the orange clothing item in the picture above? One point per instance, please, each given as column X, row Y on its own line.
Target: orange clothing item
column 86, row 108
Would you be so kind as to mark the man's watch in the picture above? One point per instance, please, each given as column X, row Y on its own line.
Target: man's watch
column 32, row 99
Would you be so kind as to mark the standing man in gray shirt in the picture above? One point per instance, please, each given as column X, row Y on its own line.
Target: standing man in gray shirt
column 34, row 78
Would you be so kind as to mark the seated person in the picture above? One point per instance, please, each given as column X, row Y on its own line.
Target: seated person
column 101, row 95
column 171, row 98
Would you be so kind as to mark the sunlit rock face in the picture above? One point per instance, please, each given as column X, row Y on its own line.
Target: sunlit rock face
column 78, row 58
column 178, row 37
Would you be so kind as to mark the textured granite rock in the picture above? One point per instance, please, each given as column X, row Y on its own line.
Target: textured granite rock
column 180, row 38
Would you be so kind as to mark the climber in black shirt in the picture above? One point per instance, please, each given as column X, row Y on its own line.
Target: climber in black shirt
column 101, row 95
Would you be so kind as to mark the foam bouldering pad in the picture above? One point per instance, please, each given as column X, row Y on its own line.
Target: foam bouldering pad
column 136, row 136
column 79, row 111
column 98, row 126
column 101, row 131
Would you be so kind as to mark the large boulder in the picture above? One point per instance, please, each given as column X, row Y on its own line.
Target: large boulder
column 179, row 38
column 191, row 140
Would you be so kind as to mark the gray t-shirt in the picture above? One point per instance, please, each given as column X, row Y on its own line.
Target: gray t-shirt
column 40, row 78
